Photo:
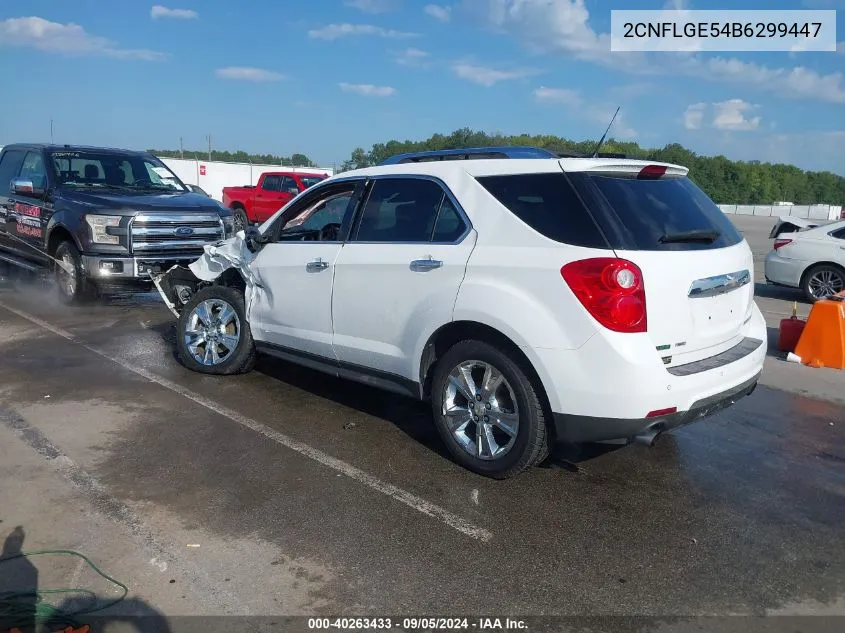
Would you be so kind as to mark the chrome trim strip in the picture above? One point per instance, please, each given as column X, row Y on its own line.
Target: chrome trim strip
column 177, row 218
column 719, row 284
column 165, row 231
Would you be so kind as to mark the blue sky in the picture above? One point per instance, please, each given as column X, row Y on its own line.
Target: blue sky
column 326, row 76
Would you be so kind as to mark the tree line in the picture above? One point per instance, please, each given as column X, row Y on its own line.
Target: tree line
column 295, row 160
column 726, row 181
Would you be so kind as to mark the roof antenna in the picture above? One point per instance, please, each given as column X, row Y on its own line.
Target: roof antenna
column 601, row 142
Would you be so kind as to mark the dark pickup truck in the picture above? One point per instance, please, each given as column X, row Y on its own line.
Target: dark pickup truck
column 102, row 219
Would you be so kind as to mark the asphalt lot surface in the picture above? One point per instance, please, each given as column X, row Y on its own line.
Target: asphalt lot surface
column 287, row 492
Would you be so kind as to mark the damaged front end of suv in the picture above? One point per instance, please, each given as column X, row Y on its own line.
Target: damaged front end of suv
column 226, row 263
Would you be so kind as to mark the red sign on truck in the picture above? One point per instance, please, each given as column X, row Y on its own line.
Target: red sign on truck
column 202, row 170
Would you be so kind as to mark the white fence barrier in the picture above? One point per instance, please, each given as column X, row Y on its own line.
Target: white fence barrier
column 212, row 176
column 813, row 212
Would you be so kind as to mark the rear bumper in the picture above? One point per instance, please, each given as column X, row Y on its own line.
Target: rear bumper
column 608, row 388
column 580, row 429
column 781, row 271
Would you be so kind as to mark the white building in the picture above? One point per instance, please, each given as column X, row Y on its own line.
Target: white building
column 212, row 176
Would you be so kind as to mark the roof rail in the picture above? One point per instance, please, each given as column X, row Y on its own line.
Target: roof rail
column 472, row 153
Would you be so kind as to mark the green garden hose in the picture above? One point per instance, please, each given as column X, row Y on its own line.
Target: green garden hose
column 25, row 608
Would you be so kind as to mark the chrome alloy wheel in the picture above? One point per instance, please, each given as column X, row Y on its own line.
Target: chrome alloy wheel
column 480, row 410
column 825, row 283
column 213, row 331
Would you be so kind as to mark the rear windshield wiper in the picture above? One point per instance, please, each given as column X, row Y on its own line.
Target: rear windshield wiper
column 690, row 236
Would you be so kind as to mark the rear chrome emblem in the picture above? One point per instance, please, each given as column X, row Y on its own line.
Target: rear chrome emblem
column 184, row 230
column 720, row 284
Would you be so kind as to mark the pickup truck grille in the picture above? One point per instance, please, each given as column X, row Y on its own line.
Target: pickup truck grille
column 166, row 235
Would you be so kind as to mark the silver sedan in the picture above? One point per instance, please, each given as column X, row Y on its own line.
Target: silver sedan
column 808, row 256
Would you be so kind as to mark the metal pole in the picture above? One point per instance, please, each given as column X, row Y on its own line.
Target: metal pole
column 51, row 131
column 181, row 148
column 209, row 148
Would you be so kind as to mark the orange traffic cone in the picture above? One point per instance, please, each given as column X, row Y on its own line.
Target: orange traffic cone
column 822, row 343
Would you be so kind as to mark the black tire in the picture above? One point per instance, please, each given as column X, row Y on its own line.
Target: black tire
column 242, row 358
column 836, row 272
column 531, row 444
column 240, row 219
column 76, row 290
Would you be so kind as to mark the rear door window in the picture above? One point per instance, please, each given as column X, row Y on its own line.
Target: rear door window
column 549, row 205
column 272, row 183
column 663, row 214
column 400, row 210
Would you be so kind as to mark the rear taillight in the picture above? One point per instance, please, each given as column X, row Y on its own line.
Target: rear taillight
column 779, row 243
column 652, row 172
column 611, row 290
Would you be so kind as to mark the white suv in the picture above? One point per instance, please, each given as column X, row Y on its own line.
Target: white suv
column 530, row 300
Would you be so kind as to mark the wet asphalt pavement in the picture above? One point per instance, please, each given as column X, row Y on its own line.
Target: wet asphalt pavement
column 314, row 495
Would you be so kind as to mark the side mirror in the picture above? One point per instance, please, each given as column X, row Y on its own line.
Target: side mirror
column 26, row 187
column 293, row 191
column 254, row 239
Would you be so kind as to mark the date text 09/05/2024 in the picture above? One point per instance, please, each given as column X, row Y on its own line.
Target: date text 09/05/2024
column 417, row 624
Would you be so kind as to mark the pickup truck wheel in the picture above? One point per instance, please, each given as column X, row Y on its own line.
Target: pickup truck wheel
column 213, row 335
column 240, row 220
column 71, row 279
column 487, row 410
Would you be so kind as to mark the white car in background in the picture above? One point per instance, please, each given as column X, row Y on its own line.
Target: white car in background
column 809, row 256
column 528, row 297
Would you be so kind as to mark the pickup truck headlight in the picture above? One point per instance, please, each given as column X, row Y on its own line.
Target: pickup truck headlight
column 228, row 226
column 99, row 225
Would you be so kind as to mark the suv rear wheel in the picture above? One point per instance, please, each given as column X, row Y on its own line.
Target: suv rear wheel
column 212, row 333
column 487, row 410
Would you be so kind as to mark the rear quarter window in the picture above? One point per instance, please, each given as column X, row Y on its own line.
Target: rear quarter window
column 549, row 205
column 641, row 214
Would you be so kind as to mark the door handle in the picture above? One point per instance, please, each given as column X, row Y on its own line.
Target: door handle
column 422, row 265
column 317, row 264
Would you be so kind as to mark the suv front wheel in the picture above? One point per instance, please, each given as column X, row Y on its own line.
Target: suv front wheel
column 212, row 333
column 487, row 410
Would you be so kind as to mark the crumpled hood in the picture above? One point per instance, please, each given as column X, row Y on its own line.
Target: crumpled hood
column 218, row 258
column 215, row 260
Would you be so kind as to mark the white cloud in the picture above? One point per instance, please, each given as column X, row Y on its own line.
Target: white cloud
column 159, row 11
column 373, row 6
column 558, row 95
column 438, row 12
column 796, row 83
column 335, row 31
column 694, row 116
column 599, row 114
column 489, row 76
column 413, row 57
column 563, row 26
column 368, row 90
column 730, row 115
column 245, row 73
column 67, row 39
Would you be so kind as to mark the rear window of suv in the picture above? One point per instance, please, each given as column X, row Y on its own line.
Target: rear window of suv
column 615, row 211
column 549, row 205
column 664, row 214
